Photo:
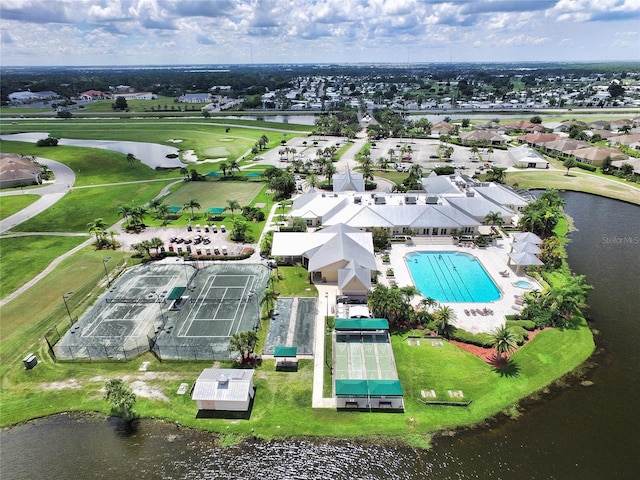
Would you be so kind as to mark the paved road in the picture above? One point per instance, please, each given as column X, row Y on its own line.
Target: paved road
column 49, row 194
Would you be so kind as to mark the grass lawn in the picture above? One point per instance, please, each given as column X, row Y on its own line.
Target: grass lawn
column 294, row 282
column 24, row 257
column 208, row 140
column 214, row 194
column 579, row 181
column 81, row 206
column 14, row 203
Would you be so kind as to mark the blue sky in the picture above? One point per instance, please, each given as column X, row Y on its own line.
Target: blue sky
column 135, row 32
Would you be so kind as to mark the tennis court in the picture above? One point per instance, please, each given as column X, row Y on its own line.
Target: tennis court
column 121, row 323
column 220, row 300
column 140, row 312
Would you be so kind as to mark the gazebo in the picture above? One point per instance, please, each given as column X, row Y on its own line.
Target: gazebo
column 526, row 247
column 286, row 357
column 528, row 237
column 523, row 259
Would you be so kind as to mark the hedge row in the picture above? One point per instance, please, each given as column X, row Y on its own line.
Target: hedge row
column 526, row 324
column 480, row 339
column 586, row 166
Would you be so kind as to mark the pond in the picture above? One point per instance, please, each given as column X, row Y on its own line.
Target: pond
column 150, row 154
column 587, row 430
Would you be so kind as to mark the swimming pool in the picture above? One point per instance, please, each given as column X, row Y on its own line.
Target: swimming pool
column 451, row 277
column 522, row 284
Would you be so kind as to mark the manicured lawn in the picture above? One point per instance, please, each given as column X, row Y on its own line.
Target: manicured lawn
column 207, row 139
column 14, row 203
column 578, row 181
column 81, row 206
column 214, row 194
column 24, row 257
column 294, row 282
column 92, row 166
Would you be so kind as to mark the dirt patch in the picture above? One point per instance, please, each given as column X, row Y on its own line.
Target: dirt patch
column 71, row 383
column 143, row 389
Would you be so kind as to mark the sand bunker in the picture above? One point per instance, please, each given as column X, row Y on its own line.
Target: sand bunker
column 189, row 156
column 174, row 140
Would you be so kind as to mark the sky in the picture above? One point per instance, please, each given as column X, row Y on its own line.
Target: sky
column 165, row 32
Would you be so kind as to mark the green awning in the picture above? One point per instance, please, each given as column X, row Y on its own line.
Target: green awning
column 361, row 324
column 281, row 351
column 352, row 387
column 174, row 209
column 216, row 210
column 253, row 174
column 213, row 174
column 176, row 293
column 385, row 388
column 370, row 388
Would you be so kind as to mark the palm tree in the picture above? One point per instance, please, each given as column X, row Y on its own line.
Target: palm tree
column 367, row 172
column 233, row 205
column 223, row 167
column 162, row 210
column 567, row 297
column 444, row 315
column 137, row 215
column 112, row 237
column 192, row 204
column 415, row 171
column 120, row 398
column 269, row 299
column 504, row 341
column 383, row 163
column 493, row 218
column 391, row 153
column 244, row 343
column 131, row 159
column 329, row 171
column 312, row 180
column 234, row 165
column 156, row 243
column 125, row 212
column 97, row 227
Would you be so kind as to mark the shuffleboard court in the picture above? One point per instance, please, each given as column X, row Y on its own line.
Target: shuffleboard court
column 363, row 355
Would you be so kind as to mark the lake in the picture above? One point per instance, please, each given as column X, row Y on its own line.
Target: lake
column 585, row 430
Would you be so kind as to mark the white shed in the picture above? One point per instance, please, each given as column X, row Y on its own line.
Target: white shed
column 224, row 389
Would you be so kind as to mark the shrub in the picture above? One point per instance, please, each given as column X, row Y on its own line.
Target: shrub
column 480, row 339
column 526, row 324
column 586, row 166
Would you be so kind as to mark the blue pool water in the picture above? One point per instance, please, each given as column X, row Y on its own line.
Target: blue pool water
column 522, row 284
column 451, row 277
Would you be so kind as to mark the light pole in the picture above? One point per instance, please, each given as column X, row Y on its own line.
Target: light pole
column 64, row 299
column 161, row 301
column 106, row 272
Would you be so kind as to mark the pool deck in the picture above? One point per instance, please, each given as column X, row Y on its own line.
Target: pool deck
column 494, row 259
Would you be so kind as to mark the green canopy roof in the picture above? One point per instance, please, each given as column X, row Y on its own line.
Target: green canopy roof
column 174, row 209
column 385, row 387
column 216, row 210
column 253, row 174
column 371, row 388
column 213, row 174
column 281, row 351
column 352, row 387
column 176, row 293
column 361, row 324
